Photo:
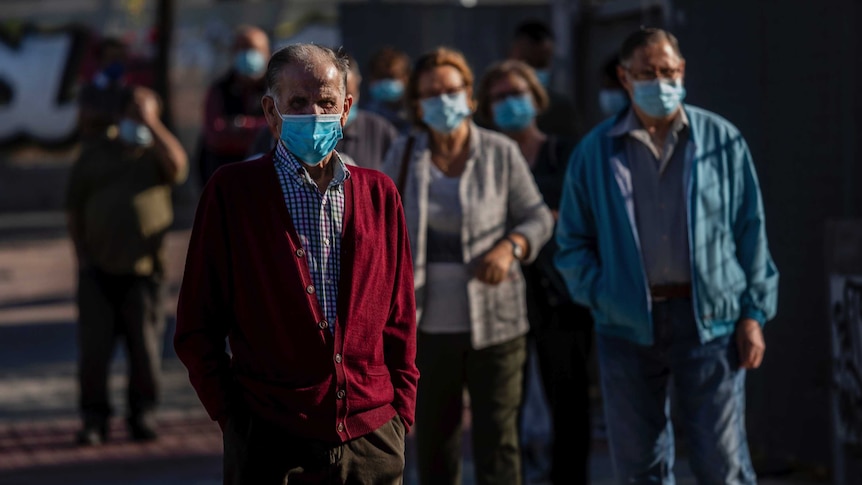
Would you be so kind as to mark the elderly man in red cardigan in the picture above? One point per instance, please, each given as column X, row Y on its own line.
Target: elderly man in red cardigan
column 303, row 264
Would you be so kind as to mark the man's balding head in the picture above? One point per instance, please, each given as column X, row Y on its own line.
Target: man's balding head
column 303, row 79
column 251, row 37
column 307, row 56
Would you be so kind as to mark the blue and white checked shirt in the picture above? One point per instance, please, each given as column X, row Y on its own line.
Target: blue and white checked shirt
column 318, row 218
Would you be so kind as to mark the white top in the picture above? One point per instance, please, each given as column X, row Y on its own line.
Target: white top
column 448, row 306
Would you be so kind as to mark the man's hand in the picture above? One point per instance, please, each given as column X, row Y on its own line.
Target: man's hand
column 749, row 341
column 146, row 106
column 495, row 265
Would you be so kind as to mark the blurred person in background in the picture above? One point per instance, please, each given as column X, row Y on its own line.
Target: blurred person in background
column 534, row 43
column 119, row 209
column 473, row 212
column 366, row 137
column 303, row 264
column 662, row 235
column 389, row 70
column 100, row 101
column 613, row 97
column 232, row 111
column 510, row 97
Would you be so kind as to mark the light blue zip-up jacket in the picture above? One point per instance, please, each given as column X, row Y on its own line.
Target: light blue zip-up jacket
column 733, row 275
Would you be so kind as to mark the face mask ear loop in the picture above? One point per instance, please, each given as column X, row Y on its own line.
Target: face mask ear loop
column 275, row 105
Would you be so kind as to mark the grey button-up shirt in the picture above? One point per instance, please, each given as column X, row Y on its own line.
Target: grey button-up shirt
column 658, row 183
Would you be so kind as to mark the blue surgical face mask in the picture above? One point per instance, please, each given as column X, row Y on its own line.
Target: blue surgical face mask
column 386, row 90
column 544, row 76
column 612, row 101
column 658, row 98
column 110, row 75
column 249, row 63
column 134, row 133
column 514, row 113
column 351, row 115
column 445, row 112
column 310, row 137
column 114, row 71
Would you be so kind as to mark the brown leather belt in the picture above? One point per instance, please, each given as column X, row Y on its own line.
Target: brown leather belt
column 666, row 292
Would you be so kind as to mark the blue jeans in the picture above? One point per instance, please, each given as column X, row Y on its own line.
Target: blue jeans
column 709, row 388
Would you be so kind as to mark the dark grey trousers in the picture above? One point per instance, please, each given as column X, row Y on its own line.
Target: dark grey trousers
column 258, row 453
column 111, row 308
column 493, row 377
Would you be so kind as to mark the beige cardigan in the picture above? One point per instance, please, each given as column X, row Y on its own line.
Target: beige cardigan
column 498, row 196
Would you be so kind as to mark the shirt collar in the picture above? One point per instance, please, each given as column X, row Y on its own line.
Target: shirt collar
column 630, row 122
column 298, row 171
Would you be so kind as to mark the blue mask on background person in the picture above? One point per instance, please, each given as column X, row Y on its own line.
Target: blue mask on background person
column 249, row 63
column 111, row 74
column 351, row 115
column 445, row 112
column 658, row 98
column 386, row 90
column 134, row 133
column 544, row 76
column 310, row 137
column 612, row 101
column 514, row 113
column 114, row 71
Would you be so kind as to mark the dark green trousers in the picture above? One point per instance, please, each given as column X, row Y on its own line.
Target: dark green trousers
column 494, row 380
column 258, row 453
column 113, row 308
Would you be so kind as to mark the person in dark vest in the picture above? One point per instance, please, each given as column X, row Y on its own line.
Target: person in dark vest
column 232, row 110
column 119, row 209
column 613, row 97
column 388, row 71
column 534, row 44
column 510, row 99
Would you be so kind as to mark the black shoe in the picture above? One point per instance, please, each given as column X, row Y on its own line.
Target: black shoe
column 141, row 430
column 92, row 436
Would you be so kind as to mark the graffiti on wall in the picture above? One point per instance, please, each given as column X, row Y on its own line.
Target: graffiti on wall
column 846, row 306
column 38, row 76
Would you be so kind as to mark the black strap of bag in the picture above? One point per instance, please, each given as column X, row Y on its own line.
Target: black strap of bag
column 405, row 159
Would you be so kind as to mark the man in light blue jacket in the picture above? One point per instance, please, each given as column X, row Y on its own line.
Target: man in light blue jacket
column 661, row 233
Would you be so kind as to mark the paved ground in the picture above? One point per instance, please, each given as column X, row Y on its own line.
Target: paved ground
column 38, row 393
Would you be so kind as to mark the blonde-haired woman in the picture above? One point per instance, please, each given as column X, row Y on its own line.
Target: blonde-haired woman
column 510, row 96
column 473, row 213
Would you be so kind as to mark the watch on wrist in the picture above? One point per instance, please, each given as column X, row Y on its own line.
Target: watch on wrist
column 517, row 250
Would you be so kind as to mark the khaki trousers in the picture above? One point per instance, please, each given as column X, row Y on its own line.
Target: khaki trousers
column 258, row 453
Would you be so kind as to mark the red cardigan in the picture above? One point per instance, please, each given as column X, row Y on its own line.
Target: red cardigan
column 247, row 278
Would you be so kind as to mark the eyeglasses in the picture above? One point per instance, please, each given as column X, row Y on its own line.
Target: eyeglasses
column 508, row 94
column 440, row 92
column 652, row 74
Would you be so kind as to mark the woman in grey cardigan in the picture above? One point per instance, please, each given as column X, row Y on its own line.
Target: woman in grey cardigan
column 473, row 214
